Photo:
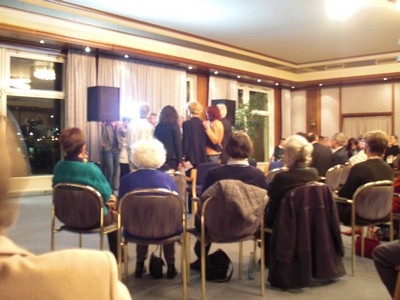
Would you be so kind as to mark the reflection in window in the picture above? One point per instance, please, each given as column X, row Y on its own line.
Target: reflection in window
column 33, row 74
column 38, row 123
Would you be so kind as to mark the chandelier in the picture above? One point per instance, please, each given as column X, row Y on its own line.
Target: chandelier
column 44, row 70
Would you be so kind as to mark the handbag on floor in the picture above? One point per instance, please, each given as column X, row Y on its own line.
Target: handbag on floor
column 219, row 267
column 156, row 265
column 369, row 244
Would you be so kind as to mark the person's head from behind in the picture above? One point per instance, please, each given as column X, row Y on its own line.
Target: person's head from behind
column 338, row 140
column 297, row 152
column 144, row 110
column 212, row 113
column 168, row 114
column 148, row 154
column 375, row 143
column 194, row 108
column 73, row 141
column 312, row 137
column 222, row 109
column 239, row 145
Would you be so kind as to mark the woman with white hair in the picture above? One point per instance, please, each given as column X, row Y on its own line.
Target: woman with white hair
column 296, row 157
column 148, row 156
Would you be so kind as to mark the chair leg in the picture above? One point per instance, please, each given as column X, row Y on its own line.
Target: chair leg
column 203, row 268
column 397, row 290
column 353, row 252
column 80, row 240
column 188, row 258
column 183, row 267
column 262, row 254
column 101, row 241
column 240, row 260
column 125, row 246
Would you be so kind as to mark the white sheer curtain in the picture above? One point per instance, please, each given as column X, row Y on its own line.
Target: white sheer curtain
column 355, row 126
column 140, row 82
column 81, row 74
column 222, row 88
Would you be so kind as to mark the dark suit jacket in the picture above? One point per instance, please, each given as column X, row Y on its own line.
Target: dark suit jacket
column 321, row 158
column 281, row 184
column 194, row 141
column 170, row 136
column 340, row 157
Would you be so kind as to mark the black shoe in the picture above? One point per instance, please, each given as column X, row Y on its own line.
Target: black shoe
column 171, row 272
column 140, row 270
column 196, row 265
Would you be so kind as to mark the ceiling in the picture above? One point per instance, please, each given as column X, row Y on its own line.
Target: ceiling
column 299, row 32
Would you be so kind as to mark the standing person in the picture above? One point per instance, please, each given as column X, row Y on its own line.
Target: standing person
column 194, row 138
column 139, row 129
column 321, row 157
column 153, row 119
column 227, row 131
column 72, row 169
column 167, row 132
column 339, row 154
column 180, row 122
column 123, row 155
column 111, row 151
column 215, row 132
column 373, row 169
column 278, row 151
column 148, row 156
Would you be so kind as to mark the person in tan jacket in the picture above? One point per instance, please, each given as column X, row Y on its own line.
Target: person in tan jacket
column 215, row 132
column 67, row 274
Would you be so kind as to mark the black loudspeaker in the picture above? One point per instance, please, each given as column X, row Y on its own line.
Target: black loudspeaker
column 103, row 104
column 230, row 108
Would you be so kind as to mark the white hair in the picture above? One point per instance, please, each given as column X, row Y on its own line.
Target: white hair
column 148, row 154
column 222, row 109
column 297, row 151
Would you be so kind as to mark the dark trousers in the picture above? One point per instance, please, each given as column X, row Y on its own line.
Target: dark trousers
column 124, row 169
column 386, row 257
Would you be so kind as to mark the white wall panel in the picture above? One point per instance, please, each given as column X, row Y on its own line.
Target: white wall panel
column 367, row 98
column 298, row 112
column 286, row 114
column 330, row 111
column 396, row 109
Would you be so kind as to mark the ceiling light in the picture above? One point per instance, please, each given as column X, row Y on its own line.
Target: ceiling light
column 216, row 72
column 126, row 56
column 385, row 79
column 320, row 84
column 44, row 70
column 87, row 49
column 342, row 10
column 239, row 76
column 276, row 83
column 292, row 87
column 258, row 80
column 42, row 41
column 190, row 67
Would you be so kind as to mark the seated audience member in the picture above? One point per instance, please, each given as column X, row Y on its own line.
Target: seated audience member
column 297, row 157
column 324, row 141
column 373, row 169
column 386, row 258
column 352, row 147
column 148, row 156
column 239, row 148
column 73, row 169
column 321, row 157
column 392, row 150
column 67, row 274
column 360, row 156
column 339, row 154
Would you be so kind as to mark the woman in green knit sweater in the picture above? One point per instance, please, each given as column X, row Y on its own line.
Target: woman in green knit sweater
column 73, row 169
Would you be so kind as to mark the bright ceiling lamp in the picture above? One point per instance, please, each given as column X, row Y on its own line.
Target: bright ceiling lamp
column 44, row 70
column 20, row 83
column 342, row 10
column 396, row 3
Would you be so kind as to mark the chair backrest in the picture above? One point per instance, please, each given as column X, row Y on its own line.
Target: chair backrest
column 76, row 205
column 271, row 174
column 336, row 176
column 152, row 213
column 373, row 201
column 233, row 209
column 180, row 181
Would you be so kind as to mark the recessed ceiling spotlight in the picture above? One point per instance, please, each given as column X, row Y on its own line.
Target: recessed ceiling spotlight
column 216, row 72
column 320, row 84
column 42, row 41
column 239, row 76
column 292, row 87
column 87, row 49
column 385, row 78
column 258, row 80
column 190, row 67
column 276, row 83
column 126, row 56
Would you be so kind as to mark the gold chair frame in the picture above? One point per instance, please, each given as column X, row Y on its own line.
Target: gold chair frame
column 101, row 229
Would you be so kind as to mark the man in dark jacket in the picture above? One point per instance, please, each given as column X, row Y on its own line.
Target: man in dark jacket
column 321, row 157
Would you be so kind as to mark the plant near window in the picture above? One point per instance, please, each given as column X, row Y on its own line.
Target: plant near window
column 246, row 117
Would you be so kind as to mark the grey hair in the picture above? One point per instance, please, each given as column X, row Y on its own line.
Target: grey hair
column 222, row 109
column 297, row 151
column 148, row 154
column 340, row 138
